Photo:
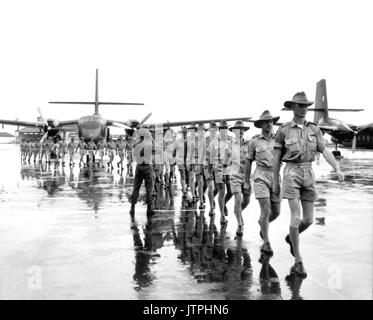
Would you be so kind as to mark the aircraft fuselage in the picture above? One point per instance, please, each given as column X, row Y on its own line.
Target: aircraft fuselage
column 92, row 127
column 343, row 132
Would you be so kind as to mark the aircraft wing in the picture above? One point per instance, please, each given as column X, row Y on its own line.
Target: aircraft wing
column 366, row 127
column 328, row 129
column 118, row 124
column 68, row 123
column 22, row 123
column 189, row 122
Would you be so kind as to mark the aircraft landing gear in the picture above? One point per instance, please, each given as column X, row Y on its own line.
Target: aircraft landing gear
column 336, row 153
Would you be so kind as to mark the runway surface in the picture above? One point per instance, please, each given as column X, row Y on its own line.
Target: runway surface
column 67, row 234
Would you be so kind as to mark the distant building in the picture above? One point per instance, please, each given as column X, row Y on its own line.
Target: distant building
column 32, row 134
column 6, row 137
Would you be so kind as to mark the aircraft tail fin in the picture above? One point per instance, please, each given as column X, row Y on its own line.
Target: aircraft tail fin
column 97, row 102
column 96, row 93
column 321, row 104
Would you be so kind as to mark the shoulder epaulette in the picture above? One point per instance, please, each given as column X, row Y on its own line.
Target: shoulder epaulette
column 285, row 124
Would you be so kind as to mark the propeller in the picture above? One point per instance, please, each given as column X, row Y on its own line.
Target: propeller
column 44, row 137
column 48, row 127
column 143, row 120
column 41, row 116
column 120, row 125
column 354, row 141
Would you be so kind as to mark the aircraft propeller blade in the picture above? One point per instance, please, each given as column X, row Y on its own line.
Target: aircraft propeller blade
column 143, row 120
column 354, row 144
column 41, row 115
column 44, row 137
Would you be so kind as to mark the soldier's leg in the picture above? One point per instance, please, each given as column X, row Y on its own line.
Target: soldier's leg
column 245, row 199
column 221, row 190
column 275, row 210
column 137, row 184
column 200, row 190
column 192, row 181
column 182, row 178
column 265, row 212
column 148, row 176
column 294, row 225
column 238, row 211
column 228, row 194
column 307, row 207
column 211, row 189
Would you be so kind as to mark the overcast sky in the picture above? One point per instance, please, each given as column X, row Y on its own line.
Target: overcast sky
column 184, row 59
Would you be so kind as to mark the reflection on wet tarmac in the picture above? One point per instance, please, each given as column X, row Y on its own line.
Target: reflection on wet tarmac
column 179, row 253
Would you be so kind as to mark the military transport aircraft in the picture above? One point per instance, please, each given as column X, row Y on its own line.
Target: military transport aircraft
column 92, row 127
column 95, row 127
column 341, row 132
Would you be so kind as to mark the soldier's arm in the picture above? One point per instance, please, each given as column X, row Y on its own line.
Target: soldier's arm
column 276, row 165
column 277, row 156
column 249, row 158
column 331, row 160
column 248, row 164
column 321, row 147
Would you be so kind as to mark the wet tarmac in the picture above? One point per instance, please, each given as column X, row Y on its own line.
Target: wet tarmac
column 67, row 234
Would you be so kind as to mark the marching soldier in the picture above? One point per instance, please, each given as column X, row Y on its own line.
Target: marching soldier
column 83, row 149
column 43, row 151
column 101, row 145
column 120, row 149
column 297, row 143
column 240, row 184
column 110, row 150
column 71, row 146
column 36, row 149
column 214, row 169
column 48, row 149
column 63, row 150
column 129, row 156
column 200, row 166
column 261, row 148
column 91, row 150
column 181, row 150
column 143, row 152
column 169, row 147
column 219, row 155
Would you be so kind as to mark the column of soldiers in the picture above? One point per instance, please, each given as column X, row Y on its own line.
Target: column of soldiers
column 220, row 162
column 53, row 151
column 217, row 161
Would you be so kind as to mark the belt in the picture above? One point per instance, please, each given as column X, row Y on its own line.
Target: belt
column 299, row 164
column 260, row 167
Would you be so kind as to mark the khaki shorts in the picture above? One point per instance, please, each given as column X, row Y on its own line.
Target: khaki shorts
column 121, row 154
column 237, row 182
column 111, row 153
column 299, row 182
column 200, row 169
column 182, row 170
column 263, row 181
column 215, row 172
column 129, row 156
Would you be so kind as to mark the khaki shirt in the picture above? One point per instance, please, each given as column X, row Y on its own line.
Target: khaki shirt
column 261, row 150
column 121, row 145
column 299, row 144
column 181, row 151
column 239, row 152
